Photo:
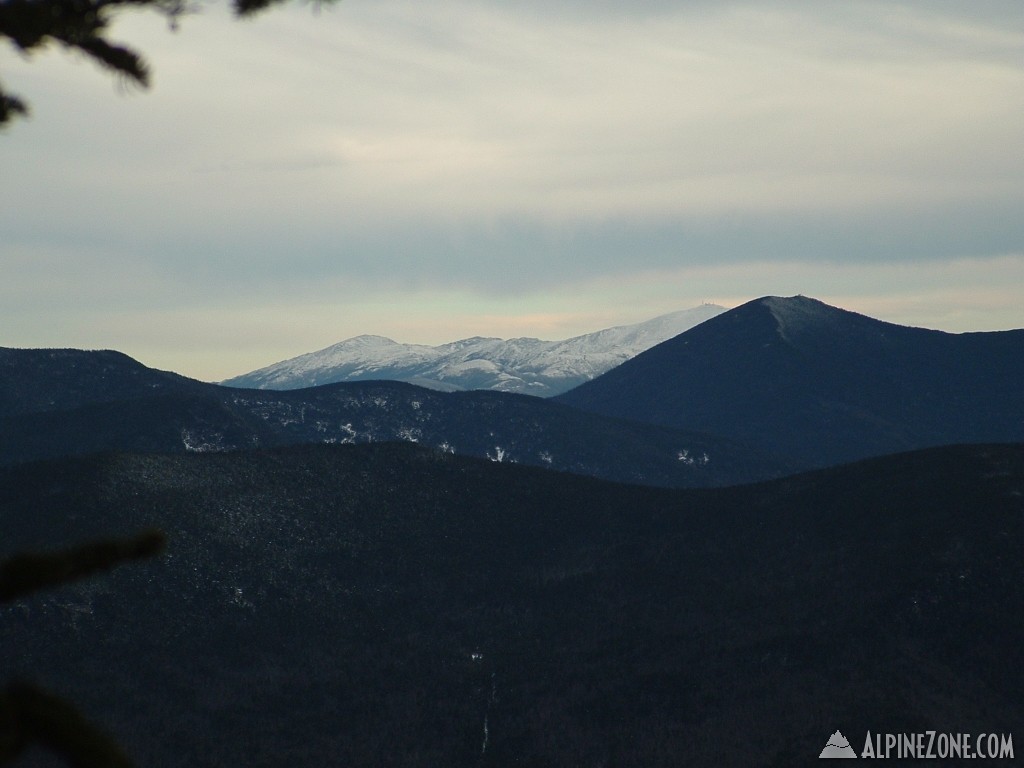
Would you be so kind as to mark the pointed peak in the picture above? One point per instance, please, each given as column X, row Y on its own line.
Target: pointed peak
column 798, row 314
column 798, row 303
column 370, row 338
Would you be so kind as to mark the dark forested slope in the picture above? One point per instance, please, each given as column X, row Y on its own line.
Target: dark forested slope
column 821, row 385
column 387, row 605
column 67, row 402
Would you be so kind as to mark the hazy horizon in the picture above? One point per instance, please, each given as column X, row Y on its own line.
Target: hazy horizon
column 300, row 352
column 433, row 172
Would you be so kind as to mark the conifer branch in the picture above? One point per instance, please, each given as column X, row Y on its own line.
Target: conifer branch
column 82, row 25
column 23, row 574
column 30, row 715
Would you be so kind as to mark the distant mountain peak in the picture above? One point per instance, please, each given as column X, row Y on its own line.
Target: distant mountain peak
column 524, row 365
column 367, row 339
column 798, row 314
column 790, row 303
column 800, row 304
column 796, row 376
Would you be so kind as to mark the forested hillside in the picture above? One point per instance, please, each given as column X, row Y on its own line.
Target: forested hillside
column 387, row 605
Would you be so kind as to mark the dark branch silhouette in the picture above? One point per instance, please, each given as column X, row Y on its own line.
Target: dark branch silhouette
column 82, row 25
column 30, row 715
column 23, row 574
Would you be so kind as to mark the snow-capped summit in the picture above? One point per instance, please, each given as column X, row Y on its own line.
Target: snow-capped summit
column 524, row 365
column 360, row 357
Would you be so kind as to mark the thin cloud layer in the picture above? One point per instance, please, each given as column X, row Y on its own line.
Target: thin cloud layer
column 481, row 149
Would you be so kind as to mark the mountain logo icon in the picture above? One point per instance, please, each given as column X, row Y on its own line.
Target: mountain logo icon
column 837, row 746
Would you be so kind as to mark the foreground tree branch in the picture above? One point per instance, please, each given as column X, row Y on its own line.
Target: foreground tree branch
column 82, row 25
column 30, row 715
column 23, row 574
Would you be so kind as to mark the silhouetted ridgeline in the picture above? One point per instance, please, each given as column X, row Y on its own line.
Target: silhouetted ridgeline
column 66, row 402
column 387, row 605
column 48, row 380
column 820, row 385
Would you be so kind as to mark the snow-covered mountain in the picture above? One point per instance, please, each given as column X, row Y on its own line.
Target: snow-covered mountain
column 523, row 365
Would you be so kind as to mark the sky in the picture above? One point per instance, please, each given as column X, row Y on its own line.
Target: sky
column 433, row 171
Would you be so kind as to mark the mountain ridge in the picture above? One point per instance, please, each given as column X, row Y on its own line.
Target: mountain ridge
column 821, row 384
column 53, row 379
column 524, row 365
column 82, row 402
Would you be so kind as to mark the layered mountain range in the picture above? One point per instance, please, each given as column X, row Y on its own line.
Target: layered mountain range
column 341, row 587
column 773, row 386
column 524, row 365
column 65, row 402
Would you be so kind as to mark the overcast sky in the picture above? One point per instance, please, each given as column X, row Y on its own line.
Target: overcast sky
column 435, row 170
